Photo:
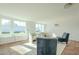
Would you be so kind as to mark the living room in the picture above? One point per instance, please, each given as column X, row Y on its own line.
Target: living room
column 22, row 23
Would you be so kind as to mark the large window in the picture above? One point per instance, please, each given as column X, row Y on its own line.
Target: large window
column 14, row 27
column 5, row 26
column 19, row 26
column 39, row 28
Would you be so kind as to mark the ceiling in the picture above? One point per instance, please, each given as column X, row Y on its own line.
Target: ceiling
column 40, row 12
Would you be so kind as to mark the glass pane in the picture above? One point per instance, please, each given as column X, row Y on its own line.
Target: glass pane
column 5, row 26
column 42, row 28
column 19, row 27
column 39, row 28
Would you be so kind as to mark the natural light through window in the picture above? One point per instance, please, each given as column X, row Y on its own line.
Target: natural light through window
column 21, row 49
column 19, row 26
column 19, row 23
column 39, row 28
column 32, row 45
column 5, row 26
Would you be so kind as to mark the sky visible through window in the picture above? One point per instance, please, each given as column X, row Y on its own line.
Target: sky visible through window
column 19, row 26
column 39, row 28
column 19, row 23
column 4, row 21
column 5, row 28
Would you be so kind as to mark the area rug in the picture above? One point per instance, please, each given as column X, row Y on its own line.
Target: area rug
column 72, row 48
column 31, row 49
column 20, row 49
column 60, row 47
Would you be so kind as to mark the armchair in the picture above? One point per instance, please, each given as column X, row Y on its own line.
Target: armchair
column 64, row 38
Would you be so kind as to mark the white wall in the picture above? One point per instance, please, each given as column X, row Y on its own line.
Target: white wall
column 65, row 25
column 4, row 40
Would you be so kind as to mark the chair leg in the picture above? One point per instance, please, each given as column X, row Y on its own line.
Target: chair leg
column 66, row 42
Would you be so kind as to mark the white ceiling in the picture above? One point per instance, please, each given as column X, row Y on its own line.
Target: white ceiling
column 42, row 12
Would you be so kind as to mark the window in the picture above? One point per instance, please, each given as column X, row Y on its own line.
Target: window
column 19, row 27
column 5, row 26
column 39, row 28
column 42, row 28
